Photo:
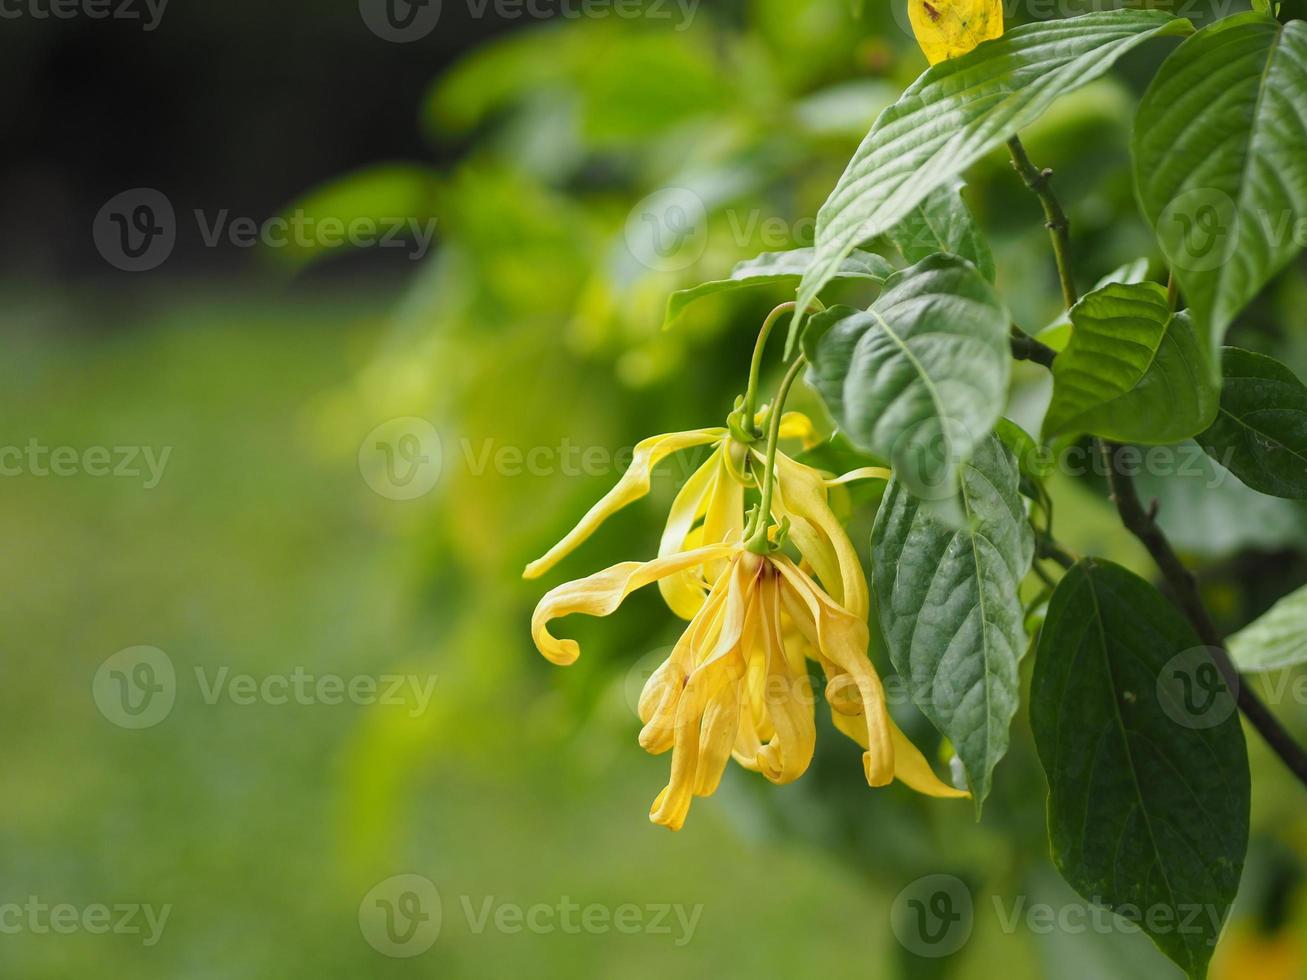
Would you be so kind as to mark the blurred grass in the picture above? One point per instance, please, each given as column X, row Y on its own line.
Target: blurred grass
column 257, row 554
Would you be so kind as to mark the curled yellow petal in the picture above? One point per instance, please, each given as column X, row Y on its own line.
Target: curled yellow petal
column 788, row 698
column 662, row 693
column 601, row 593
column 841, row 638
column 910, row 766
column 948, row 28
column 722, row 665
column 796, row 425
column 633, row 485
column 819, row 535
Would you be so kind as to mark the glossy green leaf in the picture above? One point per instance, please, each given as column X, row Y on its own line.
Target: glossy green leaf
column 1220, row 157
column 921, row 377
column 1147, row 768
column 958, row 111
column 1058, row 333
column 1276, row 639
column 950, row 609
column 1260, row 432
column 1132, row 371
column 1031, row 459
column 943, row 223
column 780, row 267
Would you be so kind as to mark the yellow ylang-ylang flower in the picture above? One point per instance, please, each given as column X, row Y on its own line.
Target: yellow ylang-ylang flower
column 709, row 508
column 736, row 683
column 948, row 28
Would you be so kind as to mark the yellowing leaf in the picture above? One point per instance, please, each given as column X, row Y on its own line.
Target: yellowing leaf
column 948, row 28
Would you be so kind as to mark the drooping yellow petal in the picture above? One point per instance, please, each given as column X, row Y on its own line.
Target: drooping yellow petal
column 788, row 698
column 841, row 638
column 662, row 693
column 948, row 28
column 722, row 665
column 862, row 473
column 633, row 485
column 684, row 592
column 910, row 766
column 601, row 593
column 723, row 518
column 819, row 535
column 796, row 425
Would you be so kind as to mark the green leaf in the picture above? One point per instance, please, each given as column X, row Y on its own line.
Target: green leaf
column 1206, row 511
column 943, row 223
column 1031, row 460
column 1147, row 768
column 780, row 267
column 1276, row 639
column 1220, row 158
column 1260, row 433
column 1058, row 333
column 958, row 111
column 921, row 377
column 388, row 205
column 1132, row 371
column 949, row 605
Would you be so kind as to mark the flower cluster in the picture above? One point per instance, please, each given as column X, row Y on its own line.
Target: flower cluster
column 737, row 683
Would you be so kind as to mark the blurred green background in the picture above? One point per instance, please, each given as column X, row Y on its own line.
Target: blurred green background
column 357, row 449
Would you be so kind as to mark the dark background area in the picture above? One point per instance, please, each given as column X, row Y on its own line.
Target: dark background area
column 241, row 105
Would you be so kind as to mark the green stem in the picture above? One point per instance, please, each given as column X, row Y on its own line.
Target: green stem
column 1027, row 348
column 1055, row 219
column 756, row 538
column 755, row 366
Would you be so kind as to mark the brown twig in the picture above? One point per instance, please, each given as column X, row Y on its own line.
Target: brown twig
column 1140, row 522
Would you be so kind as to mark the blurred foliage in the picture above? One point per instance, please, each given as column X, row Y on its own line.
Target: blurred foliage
column 533, row 326
column 536, row 324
